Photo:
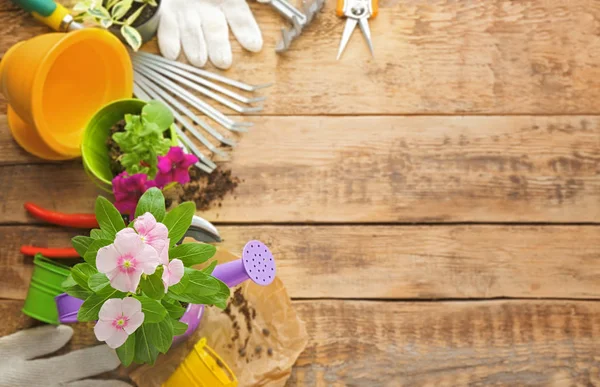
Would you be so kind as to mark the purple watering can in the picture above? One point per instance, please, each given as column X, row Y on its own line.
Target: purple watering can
column 256, row 264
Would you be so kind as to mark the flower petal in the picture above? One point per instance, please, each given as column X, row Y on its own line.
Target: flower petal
column 158, row 234
column 164, row 164
column 181, row 175
column 148, row 260
column 130, row 306
column 111, row 309
column 128, row 243
column 176, row 154
column 103, row 330
column 189, row 160
column 123, row 281
column 143, row 224
column 176, row 269
column 106, row 259
column 163, row 248
column 134, row 322
column 118, row 338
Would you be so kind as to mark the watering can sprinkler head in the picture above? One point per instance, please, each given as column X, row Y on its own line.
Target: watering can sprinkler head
column 256, row 264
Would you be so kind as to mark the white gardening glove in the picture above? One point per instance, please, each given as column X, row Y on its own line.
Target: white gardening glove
column 200, row 26
column 17, row 369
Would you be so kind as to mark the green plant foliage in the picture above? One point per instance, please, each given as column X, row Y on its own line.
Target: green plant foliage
column 108, row 217
column 81, row 244
column 152, row 201
column 178, row 220
column 192, row 253
column 126, row 352
column 143, row 140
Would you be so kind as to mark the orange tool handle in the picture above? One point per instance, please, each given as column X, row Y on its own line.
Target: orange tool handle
column 339, row 10
column 62, row 219
column 50, row 252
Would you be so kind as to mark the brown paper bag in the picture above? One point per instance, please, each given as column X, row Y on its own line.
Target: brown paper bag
column 259, row 336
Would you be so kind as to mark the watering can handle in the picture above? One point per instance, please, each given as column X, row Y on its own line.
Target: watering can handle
column 50, row 13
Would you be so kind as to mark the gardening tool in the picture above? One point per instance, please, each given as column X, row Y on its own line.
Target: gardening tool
column 256, row 264
column 356, row 12
column 201, row 230
column 51, row 14
column 25, row 360
column 51, row 95
column 202, row 367
column 298, row 19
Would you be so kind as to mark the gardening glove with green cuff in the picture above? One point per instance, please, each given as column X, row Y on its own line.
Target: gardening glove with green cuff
column 18, row 369
column 200, row 26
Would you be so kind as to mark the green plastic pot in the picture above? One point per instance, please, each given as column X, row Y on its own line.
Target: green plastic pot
column 93, row 148
column 45, row 284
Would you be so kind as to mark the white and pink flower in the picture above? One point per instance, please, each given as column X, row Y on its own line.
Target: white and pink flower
column 151, row 232
column 118, row 318
column 173, row 270
column 126, row 260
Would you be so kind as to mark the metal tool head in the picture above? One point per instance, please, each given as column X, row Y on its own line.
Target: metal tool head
column 310, row 9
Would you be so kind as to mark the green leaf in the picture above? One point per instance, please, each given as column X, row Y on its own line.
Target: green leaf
column 82, row 272
column 179, row 328
column 68, row 282
column 81, row 244
column 160, row 334
column 145, row 352
column 192, row 253
column 98, row 234
column 210, row 268
column 179, row 220
column 98, row 282
column 78, row 292
column 106, row 23
column 126, row 352
column 153, row 310
column 152, row 201
column 220, row 299
column 99, row 12
column 132, row 37
column 200, row 286
column 110, row 3
column 133, row 17
column 120, row 9
column 173, row 307
column 109, row 218
column 91, row 306
column 90, row 255
column 152, row 286
column 180, row 287
column 157, row 113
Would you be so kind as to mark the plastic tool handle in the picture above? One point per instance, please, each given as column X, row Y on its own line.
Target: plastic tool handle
column 50, row 252
column 47, row 11
column 341, row 3
column 61, row 219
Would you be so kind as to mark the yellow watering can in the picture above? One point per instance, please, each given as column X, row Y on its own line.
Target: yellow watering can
column 55, row 82
column 202, row 368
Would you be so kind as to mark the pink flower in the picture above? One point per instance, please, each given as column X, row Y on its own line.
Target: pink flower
column 172, row 274
column 119, row 318
column 126, row 259
column 128, row 190
column 152, row 232
column 173, row 271
column 174, row 167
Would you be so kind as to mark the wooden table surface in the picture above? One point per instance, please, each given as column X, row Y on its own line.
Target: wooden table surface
column 434, row 211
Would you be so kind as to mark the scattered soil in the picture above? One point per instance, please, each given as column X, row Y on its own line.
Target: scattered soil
column 114, row 150
column 204, row 189
column 239, row 308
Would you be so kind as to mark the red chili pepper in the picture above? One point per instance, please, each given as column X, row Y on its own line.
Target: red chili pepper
column 67, row 252
column 62, row 219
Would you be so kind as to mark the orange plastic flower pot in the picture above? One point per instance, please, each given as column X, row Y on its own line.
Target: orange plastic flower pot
column 55, row 82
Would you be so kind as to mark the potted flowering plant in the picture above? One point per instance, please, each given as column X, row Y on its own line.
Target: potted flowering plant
column 130, row 146
column 136, row 279
column 135, row 21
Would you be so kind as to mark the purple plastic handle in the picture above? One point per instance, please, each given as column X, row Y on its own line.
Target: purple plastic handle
column 257, row 263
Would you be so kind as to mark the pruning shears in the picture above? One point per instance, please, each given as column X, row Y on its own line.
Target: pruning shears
column 201, row 230
column 356, row 12
column 51, row 14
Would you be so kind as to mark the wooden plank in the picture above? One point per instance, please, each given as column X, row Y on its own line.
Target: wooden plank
column 511, row 343
column 439, row 56
column 412, row 262
column 363, row 343
column 380, row 169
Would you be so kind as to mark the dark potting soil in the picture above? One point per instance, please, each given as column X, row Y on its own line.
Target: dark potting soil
column 203, row 189
column 114, row 150
column 146, row 14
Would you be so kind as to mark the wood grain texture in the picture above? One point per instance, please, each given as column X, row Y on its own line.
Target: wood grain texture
column 401, row 262
column 436, row 56
column 378, row 169
column 361, row 343
column 449, row 344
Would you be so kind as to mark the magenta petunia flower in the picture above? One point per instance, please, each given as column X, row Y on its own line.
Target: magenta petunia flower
column 118, row 318
column 128, row 190
column 126, row 260
column 174, row 167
